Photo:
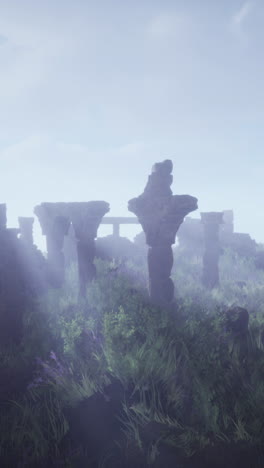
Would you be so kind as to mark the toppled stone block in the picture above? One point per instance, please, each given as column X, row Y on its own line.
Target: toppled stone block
column 237, row 319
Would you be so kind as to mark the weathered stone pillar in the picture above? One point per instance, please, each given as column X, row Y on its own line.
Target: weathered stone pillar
column 2, row 246
column 12, row 296
column 211, row 222
column 161, row 213
column 26, row 230
column 86, row 218
column 2, row 251
column 228, row 222
column 2, row 216
column 55, row 225
column 12, row 233
column 70, row 248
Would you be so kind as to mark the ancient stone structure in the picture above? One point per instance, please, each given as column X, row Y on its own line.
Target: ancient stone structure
column 26, row 230
column 117, row 221
column 70, row 248
column 55, row 220
column 2, row 216
column 86, row 218
column 55, row 225
column 241, row 243
column 106, row 247
column 259, row 260
column 160, row 214
column 227, row 226
column 211, row 222
column 190, row 236
column 11, row 293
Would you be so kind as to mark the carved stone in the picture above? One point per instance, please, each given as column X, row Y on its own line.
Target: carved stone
column 55, row 225
column 86, row 218
column 55, row 219
column 227, row 227
column 26, row 230
column 211, row 222
column 160, row 214
column 11, row 288
column 70, row 248
column 2, row 216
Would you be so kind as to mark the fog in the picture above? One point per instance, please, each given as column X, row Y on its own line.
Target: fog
column 93, row 93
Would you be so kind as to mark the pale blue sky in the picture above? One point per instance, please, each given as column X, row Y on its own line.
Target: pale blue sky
column 92, row 93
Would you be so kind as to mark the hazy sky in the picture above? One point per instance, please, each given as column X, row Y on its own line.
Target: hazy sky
column 92, row 93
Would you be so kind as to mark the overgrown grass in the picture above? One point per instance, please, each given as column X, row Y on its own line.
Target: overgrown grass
column 182, row 372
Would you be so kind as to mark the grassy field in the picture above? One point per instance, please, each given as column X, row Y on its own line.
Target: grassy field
column 113, row 381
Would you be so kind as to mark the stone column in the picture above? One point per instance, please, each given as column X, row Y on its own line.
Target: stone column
column 2, row 216
column 12, row 296
column 228, row 222
column 2, row 247
column 70, row 249
column 86, row 218
column 55, row 225
column 161, row 213
column 26, row 230
column 211, row 222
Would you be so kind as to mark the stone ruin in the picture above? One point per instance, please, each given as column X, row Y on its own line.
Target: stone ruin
column 22, row 272
column 55, row 220
column 211, row 222
column 26, row 230
column 111, row 247
column 160, row 214
column 108, row 248
column 191, row 236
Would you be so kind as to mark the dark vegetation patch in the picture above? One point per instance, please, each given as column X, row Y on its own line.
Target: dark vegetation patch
column 109, row 380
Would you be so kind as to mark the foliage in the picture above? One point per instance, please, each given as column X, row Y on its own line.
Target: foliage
column 182, row 371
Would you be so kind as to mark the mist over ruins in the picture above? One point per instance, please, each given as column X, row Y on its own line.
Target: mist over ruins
column 131, row 234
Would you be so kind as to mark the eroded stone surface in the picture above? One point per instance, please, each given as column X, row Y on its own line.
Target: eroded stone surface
column 86, row 218
column 160, row 214
column 26, row 229
column 2, row 216
column 55, row 220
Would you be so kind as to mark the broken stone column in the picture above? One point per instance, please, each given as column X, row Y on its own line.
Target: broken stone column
column 55, row 225
column 12, row 296
column 11, row 299
column 2, row 247
column 227, row 226
column 2, row 216
column 26, row 230
column 2, row 252
column 160, row 214
column 211, row 222
column 70, row 249
column 86, row 218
